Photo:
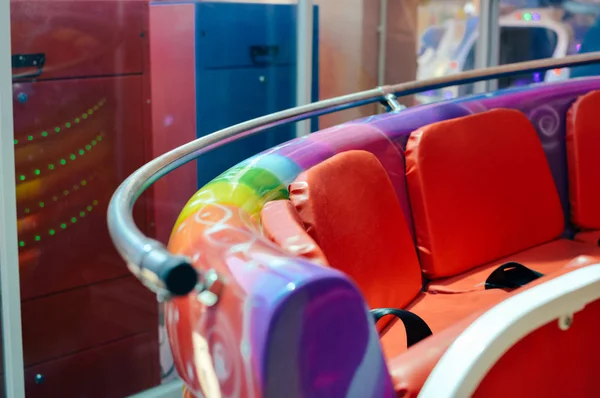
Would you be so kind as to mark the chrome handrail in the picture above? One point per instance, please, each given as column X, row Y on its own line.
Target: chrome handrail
column 167, row 274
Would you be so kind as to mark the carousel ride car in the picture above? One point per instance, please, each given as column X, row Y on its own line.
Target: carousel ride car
column 444, row 250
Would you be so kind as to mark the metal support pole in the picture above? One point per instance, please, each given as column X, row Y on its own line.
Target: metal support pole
column 304, row 39
column 382, row 30
column 488, row 41
column 12, row 338
column 382, row 33
column 392, row 102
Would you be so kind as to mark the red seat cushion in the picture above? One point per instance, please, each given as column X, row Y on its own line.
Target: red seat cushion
column 547, row 259
column 410, row 369
column 592, row 237
column 348, row 206
column 480, row 188
column 439, row 311
column 282, row 225
column 583, row 149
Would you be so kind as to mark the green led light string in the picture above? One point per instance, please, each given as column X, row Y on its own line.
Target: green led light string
column 58, row 197
column 64, row 225
column 63, row 160
column 66, row 125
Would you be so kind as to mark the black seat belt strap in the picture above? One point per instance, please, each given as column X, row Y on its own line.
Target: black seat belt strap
column 510, row 276
column 416, row 328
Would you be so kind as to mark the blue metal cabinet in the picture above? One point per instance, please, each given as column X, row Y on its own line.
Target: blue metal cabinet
column 245, row 68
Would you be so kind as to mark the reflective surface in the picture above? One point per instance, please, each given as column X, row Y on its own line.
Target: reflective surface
column 529, row 30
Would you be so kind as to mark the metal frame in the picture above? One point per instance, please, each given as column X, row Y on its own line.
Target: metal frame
column 488, row 41
column 382, row 32
column 12, row 338
column 304, row 60
column 466, row 362
column 167, row 274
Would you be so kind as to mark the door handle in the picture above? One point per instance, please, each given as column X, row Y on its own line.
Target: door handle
column 263, row 55
column 36, row 60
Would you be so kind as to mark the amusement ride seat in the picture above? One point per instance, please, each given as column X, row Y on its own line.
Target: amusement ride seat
column 583, row 146
column 349, row 210
column 482, row 195
column 480, row 189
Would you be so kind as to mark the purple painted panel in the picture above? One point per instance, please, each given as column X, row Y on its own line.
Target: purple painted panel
column 303, row 152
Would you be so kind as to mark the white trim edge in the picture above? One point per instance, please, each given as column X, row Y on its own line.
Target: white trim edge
column 476, row 350
column 12, row 338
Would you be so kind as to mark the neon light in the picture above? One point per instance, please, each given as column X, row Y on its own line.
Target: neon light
column 62, row 226
column 527, row 16
column 68, row 124
column 63, row 161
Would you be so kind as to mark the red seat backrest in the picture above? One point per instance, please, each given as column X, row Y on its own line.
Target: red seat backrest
column 583, row 157
column 349, row 207
column 480, row 189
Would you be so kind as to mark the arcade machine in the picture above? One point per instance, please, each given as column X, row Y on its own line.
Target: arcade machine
column 525, row 35
column 80, row 85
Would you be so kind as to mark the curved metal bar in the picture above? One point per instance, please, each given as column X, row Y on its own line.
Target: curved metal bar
column 167, row 274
